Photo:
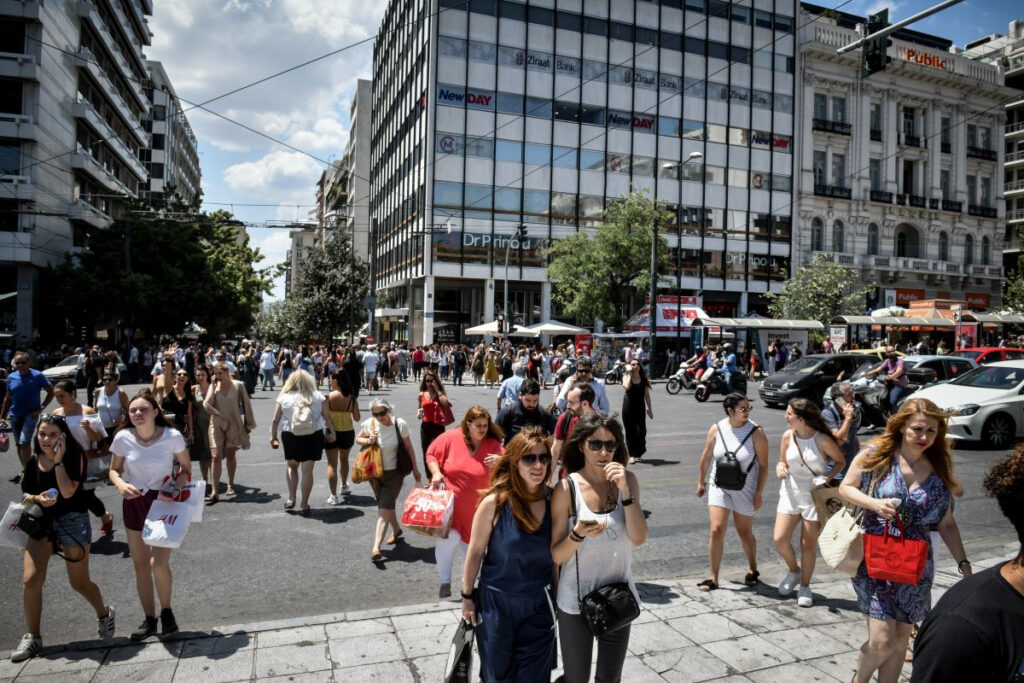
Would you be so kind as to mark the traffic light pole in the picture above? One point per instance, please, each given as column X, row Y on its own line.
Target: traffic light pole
column 898, row 25
column 520, row 234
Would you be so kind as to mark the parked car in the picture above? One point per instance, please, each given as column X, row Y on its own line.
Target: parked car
column 808, row 377
column 68, row 369
column 983, row 355
column 986, row 403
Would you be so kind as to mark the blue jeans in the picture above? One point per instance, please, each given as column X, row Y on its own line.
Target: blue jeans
column 895, row 394
column 268, row 379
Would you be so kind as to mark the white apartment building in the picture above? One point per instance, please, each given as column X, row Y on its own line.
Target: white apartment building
column 493, row 113
column 303, row 241
column 72, row 100
column 899, row 173
column 173, row 156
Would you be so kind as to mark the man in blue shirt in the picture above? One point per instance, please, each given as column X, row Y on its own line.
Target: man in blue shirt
column 843, row 418
column 22, row 403
column 729, row 366
column 584, row 374
column 508, row 392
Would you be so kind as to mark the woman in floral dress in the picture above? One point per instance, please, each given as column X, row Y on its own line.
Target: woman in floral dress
column 906, row 472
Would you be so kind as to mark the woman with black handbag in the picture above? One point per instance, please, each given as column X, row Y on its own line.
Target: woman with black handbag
column 736, row 450
column 596, row 521
column 53, row 480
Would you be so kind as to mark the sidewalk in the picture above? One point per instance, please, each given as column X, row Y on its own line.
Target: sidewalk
column 732, row 634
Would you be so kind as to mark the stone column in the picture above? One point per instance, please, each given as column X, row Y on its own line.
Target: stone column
column 428, row 309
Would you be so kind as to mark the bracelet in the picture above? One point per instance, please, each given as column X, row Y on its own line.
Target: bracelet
column 575, row 536
column 59, row 464
column 627, row 501
column 467, row 596
column 960, row 565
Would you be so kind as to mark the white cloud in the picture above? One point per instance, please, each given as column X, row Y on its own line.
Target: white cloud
column 276, row 171
column 327, row 134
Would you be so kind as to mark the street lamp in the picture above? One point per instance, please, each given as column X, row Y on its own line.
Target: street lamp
column 520, row 234
column 653, row 307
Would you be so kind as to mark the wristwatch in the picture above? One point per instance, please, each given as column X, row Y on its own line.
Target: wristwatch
column 627, row 501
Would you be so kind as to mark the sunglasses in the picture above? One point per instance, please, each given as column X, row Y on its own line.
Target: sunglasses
column 532, row 459
column 597, row 445
column 109, row 379
column 582, row 371
column 50, row 417
column 747, row 409
column 378, row 413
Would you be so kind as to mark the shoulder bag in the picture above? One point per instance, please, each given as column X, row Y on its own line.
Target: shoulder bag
column 841, row 539
column 403, row 456
column 729, row 474
column 895, row 558
column 610, row 607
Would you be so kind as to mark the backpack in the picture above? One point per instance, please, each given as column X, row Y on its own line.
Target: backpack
column 303, row 419
column 729, row 475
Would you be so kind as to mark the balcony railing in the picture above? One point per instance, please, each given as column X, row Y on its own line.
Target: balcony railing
column 1014, row 127
column 981, row 153
column 911, row 140
column 831, row 126
column 876, row 135
column 901, row 199
column 983, row 211
column 880, row 196
column 1014, row 186
column 950, row 205
column 1014, row 156
column 1015, row 216
column 918, row 201
column 946, row 148
column 832, row 191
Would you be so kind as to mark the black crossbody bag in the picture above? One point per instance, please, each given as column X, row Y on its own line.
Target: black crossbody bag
column 729, row 474
column 610, row 607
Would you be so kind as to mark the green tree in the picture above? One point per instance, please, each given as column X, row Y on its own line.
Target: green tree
column 594, row 274
column 328, row 297
column 819, row 290
column 1013, row 291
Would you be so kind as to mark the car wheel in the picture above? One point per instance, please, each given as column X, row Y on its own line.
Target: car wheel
column 998, row 431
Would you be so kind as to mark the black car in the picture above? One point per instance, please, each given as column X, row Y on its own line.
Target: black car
column 810, row 376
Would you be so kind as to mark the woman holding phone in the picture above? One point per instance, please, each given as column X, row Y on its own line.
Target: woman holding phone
column 53, row 479
column 144, row 456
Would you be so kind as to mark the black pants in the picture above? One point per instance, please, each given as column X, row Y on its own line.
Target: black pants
column 428, row 432
column 577, row 644
column 96, row 505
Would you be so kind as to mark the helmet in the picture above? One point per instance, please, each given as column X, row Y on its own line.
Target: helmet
column 727, row 347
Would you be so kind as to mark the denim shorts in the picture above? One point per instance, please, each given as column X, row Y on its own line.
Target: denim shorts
column 24, row 428
column 73, row 529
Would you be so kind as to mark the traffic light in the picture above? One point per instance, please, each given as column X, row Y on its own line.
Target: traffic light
column 501, row 324
column 876, row 51
column 521, row 231
column 511, row 327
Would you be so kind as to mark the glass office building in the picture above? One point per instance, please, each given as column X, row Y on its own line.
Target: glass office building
column 488, row 114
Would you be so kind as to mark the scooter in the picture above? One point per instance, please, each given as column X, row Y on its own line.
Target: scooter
column 717, row 385
column 685, row 378
column 615, row 375
column 873, row 395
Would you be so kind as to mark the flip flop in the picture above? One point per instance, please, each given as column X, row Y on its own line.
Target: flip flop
column 751, row 579
column 395, row 537
column 376, row 557
column 230, row 493
column 707, row 585
column 289, row 504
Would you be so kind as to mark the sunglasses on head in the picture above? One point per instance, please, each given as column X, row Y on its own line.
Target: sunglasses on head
column 50, row 417
column 598, row 445
column 534, row 458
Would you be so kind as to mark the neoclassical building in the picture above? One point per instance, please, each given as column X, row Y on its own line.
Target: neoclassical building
column 900, row 173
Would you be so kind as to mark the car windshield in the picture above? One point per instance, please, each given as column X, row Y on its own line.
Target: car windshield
column 989, row 377
column 864, row 368
column 973, row 355
column 70, row 360
column 802, row 366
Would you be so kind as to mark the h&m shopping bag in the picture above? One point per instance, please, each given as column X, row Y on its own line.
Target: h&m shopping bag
column 10, row 533
column 166, row 524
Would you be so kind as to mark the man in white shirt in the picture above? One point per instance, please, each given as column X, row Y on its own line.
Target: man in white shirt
column 584, row 373
column 268, row 363
column 369, row 368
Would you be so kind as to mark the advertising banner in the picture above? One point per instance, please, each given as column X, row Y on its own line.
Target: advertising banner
column 837, row 335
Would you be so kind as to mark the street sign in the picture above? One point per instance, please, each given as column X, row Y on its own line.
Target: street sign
column 370, row 339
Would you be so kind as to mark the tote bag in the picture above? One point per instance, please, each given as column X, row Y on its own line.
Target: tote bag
column 10, row 533
column 166, row 524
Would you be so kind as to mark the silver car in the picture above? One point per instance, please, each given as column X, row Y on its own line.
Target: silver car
column 68, row 369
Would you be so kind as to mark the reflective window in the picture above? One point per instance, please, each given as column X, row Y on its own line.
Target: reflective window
column 569, row 21
column 762, row 19
column 622, row 31
column 489, row 7
column 564, row 157
column 540, row 15
column 481, row 52
column 567, row 111
column 507, row 199
column 591, row 160
column 694, row 46
column 447, row 194
column 668, row 126
column 595, row 26
column 510, row 103
column 643, row 166
column 646, row 36
column 479, row 197
column 537, row 154
column 451, row 47
column 508, row 150
column 537, row 202
column 618, row 163
column 536, row 106
column 592, row 114
column 480, row 147
column 513, row 10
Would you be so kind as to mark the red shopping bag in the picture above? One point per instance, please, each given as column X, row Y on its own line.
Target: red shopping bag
column 895, row 558
column 429, row 511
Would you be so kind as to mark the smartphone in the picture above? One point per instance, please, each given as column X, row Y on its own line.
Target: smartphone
column 841, row 402
column 588, row 522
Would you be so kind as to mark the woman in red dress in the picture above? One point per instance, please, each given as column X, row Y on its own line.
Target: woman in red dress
column 462, row 459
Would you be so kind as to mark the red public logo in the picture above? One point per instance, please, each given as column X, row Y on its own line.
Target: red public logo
column 924, row 58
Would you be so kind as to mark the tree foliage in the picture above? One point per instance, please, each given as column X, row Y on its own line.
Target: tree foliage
column 1013, row 291
column 327, row 300
column 594, row 274
column 819, row 290
column 156, row 269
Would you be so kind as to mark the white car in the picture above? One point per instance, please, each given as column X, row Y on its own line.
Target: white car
column 985, row 404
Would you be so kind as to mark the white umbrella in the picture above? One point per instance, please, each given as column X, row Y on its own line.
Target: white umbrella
column 525, row 332
column 486, row 328
column 553, row 327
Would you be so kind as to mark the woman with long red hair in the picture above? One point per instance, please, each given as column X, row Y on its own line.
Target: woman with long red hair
column 462, row 460
column 904, row 475
column 510, row 549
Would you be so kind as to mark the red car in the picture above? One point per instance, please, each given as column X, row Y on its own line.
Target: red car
column 983, row 355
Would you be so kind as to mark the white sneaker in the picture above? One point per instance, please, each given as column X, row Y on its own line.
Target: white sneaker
column 105, row 625
column 28, row 647
column 804, row 597
column 333, row 500
column 345, row 490
column 789, row 583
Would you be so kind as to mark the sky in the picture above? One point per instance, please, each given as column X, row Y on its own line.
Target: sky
column 211, row 47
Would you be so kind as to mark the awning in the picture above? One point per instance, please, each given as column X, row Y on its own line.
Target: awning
column 759, row 323
column 997, row 318
column 479, row 330
column 7, row 295
column 553, row 327
column 892, row 321
column 671, row 319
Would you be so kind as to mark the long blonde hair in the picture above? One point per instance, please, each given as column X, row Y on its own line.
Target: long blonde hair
column 887, row 443
column 302, row 382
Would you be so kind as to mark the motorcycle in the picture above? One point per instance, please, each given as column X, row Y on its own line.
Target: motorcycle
column 615, row 375
column 685, row 378
column 873, row 396
column 717, row 385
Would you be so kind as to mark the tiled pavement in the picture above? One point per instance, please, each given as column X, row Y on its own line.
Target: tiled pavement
column 732, row 634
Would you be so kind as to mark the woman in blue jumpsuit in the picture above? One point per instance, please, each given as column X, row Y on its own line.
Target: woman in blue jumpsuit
column 510, row 548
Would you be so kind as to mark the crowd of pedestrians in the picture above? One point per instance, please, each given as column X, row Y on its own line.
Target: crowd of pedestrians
column 546, row 511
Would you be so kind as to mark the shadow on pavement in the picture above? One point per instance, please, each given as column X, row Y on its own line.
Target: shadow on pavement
column 106, row 545
column 334, row 515
column 248, row 494
column 656, row 462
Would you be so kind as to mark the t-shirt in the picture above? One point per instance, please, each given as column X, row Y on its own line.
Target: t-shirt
column 834, row 419
column 513, row 418
column 146, row 466
column 24, row 392
column 267, row 360
column 387, row 437
column 564, row 426
column 370, row 362
column 34, row 482
column 974, row 633
column 290, row 400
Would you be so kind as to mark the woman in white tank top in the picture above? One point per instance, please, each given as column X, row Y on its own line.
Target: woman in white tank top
column 808, row 448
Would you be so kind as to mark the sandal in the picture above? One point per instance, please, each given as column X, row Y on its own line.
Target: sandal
column 376, row 557
column 707, row 585
column 751, row 579
column 230, row 493
column 289, row 504
column 395, row 537
column 211, row 499
column 304, row 511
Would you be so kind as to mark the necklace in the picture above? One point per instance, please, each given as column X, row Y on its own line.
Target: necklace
column 143, row 441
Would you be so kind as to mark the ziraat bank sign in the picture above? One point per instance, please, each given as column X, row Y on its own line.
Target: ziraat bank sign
column 909, row 54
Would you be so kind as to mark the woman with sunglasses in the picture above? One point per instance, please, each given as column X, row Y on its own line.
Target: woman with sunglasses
column 595, row 524
column 738, row 435
column 462, row 460
column 111, row 405
column 146, row 454
column 178, row 402
column 636, row 408
column 392, row 435
column 511, row 551
column 434, row 406
column 85, row 425
column 53, row 480
column 200, row 447
column 225, row 401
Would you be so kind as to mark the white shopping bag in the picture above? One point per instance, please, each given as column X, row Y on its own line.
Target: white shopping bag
column 166, row 524
column 194, row 495
column 10, row 533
